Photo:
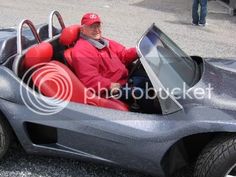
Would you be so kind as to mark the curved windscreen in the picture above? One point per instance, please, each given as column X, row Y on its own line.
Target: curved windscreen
column 170, row 64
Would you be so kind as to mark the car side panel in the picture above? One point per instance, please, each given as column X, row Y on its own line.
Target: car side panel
column 133, row 140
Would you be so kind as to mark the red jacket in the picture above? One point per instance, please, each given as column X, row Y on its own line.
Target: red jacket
column 93, row 66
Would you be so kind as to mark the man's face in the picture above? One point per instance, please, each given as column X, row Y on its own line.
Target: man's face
column 93, row 31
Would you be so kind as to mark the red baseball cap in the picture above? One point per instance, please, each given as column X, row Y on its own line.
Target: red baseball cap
column 90, row 18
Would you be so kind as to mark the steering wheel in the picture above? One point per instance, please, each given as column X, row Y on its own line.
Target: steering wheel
column 134, row 67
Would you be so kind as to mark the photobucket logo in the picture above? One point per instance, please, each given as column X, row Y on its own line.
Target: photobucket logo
column 185, row 92
column 48, row 79
column 126, row 92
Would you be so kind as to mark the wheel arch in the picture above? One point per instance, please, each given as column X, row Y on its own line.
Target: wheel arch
column 4, row 118
column 186, row 150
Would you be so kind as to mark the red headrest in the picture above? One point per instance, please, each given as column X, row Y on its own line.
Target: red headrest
column 39, row 53
column 69, row 35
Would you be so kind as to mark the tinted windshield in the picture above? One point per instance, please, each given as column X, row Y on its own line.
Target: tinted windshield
column 170, row 64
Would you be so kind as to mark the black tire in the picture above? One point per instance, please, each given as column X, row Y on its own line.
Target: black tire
column 184, row 172
column 217, row 157
column 5, row 137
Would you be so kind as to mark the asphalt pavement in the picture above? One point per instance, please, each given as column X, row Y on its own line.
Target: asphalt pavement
column 124, row 21
column 19, row 164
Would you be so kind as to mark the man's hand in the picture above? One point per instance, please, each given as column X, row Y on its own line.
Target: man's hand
column 115, row 87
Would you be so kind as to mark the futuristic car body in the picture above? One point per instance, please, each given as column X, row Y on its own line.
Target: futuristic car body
column 182, row 133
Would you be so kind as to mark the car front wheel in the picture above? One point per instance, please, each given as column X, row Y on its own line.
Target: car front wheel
column 5, row 137
column 218, row 159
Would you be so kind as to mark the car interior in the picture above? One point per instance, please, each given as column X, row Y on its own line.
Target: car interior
column 53, row 49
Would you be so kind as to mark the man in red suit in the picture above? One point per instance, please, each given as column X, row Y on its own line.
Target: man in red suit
column 100, row 63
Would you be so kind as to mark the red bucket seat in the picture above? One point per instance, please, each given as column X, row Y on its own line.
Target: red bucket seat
column 54, row 79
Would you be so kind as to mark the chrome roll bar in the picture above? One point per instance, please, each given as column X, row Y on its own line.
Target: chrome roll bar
column 50, row 23
column 19, row 34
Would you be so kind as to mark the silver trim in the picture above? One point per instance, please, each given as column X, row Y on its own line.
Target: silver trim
column 19, row 34
column 228, row 172
column 50, row 22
